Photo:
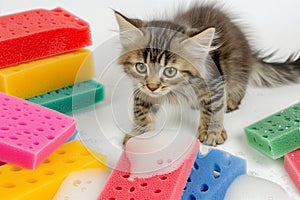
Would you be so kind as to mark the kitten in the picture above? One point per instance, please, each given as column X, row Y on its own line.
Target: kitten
column 167, row 57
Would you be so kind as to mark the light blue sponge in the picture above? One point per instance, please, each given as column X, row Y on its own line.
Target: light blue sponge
column 212, row 174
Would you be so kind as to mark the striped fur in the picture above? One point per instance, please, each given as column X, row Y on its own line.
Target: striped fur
column 212, row 60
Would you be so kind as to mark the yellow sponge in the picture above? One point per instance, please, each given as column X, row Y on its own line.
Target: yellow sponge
column 42, row 76
column 43, row 182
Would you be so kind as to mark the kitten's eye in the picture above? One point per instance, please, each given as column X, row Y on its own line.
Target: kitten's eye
column 170, row 72
column 141, row 68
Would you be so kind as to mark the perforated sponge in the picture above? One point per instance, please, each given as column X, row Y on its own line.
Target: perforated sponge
column 292, row 166
column 43, row 182
column 212, row 174
column 68, row 99
column 82, row 185
column 120, row 185
column 29, row 133
column 42, row 76
column 40, row 33
column 277, row 134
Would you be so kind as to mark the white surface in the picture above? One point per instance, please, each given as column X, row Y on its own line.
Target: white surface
column 273, row 25
column 250, row 187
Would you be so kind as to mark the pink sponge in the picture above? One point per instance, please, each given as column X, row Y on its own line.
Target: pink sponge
column 120, row 185
column 29, row 133
column 36, row 34
column 292, row 166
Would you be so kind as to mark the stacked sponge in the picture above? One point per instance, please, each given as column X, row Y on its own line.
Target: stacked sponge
column 41, row 54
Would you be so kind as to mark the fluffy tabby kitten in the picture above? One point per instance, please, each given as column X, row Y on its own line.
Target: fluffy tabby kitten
column 164, row 57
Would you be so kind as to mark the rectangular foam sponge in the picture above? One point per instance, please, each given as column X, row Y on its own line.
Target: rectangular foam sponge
column 212, row 175
column 292, row 166
column 43, row 182
column 158, row 187
column 68, row 99
column 40, row 33
column 42, row 76
column 29, row 133
column 277, row 134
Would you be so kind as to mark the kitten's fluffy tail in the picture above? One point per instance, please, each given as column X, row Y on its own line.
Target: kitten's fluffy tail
column 270, row 74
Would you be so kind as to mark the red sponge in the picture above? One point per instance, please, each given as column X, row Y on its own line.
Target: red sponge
column 292, row 166
column 167, row 186
column 40, row 33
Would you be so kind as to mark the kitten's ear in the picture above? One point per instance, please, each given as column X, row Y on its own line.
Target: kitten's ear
column 202, row 40
column 129, row 29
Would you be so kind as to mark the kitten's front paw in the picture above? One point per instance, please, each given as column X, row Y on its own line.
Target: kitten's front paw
column 212, row 137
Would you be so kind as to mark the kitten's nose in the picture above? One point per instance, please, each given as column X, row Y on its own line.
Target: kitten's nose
column 152, row 86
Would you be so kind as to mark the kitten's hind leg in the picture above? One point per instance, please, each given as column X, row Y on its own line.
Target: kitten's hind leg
column 143, row 116
column 235, row 94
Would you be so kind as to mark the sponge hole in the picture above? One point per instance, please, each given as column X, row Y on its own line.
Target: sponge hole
column 144, row 184
column 4, row 129
column 31, row 180
column 47, row 161
column 204, row 188
column 50, row 137
column 126, row 176
column 132, row 189
column 163, row 178
column 118, row 188
column 15, row 169
column 191, row 197
column 196, row 166
column 48, row 172
column 158, row 191
column 61, row 152
column 8, row 185
column 217, row 171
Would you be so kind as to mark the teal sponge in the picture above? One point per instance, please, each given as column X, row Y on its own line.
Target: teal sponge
column 75, row 97
column 277, row 134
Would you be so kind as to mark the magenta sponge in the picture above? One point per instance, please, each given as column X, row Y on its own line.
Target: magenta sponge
column 29, row 133
column 40, row 33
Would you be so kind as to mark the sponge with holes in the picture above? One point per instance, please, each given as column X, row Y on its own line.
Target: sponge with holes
column 121, row 185
column 212, row 174
column 40, row 33
column 292, row 166
column 277, row 134
column 45, row 180
column 68, row 99
column 84, row 184
column 29, row 133
column 42, row 76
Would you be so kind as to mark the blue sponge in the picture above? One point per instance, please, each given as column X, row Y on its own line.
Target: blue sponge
column 212, row 174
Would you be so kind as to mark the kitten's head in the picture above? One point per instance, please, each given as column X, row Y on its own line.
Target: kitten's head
column 161, row 56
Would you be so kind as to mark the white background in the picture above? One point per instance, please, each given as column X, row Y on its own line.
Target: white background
column 273, row 24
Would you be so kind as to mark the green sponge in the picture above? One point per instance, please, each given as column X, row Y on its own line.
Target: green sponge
column 277, row 134
column 68, row 99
